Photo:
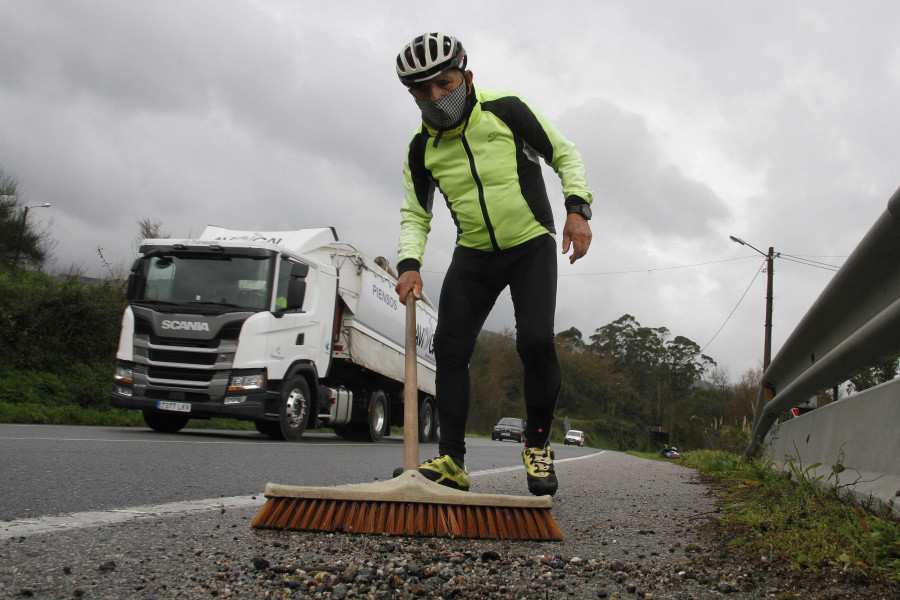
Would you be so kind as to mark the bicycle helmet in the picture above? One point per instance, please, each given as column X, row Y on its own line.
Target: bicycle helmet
column 428, row 55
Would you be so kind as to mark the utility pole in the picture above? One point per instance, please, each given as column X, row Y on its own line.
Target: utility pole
column 770, row 272
column 767, row 347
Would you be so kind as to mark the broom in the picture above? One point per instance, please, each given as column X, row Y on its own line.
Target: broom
column 410, row 504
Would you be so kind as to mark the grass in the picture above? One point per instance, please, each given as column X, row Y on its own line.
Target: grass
column 70, row 414
column 648, row 455
column 789, row 517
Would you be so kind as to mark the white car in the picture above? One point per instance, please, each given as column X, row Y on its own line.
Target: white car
column 574, row 436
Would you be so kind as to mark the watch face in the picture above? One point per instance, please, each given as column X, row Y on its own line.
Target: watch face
column 581, row 209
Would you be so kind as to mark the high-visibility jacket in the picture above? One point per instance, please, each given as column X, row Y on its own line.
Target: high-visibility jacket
column 488, row 172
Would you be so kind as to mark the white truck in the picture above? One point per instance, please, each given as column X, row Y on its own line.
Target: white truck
column 288, row 329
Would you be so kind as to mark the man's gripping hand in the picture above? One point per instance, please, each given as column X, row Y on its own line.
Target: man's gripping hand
column 409, row 281
column 577, row 235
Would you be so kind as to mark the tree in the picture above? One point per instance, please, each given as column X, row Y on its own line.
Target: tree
column 685, row 365
column 23, row 244
column 496, row 381
column 880, row 372
column 149, row 228
column 570, row 338
column 636, row 351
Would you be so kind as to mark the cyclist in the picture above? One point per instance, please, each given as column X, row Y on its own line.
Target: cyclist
column 481, row 149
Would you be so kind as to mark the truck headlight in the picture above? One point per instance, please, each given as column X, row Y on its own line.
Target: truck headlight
column 239, row 383
column 124, row 374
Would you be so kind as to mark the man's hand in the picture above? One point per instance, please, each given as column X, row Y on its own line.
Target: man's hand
column 577, row 234
column 409, row 281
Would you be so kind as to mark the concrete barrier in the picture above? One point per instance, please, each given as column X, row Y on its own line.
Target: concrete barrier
column 859, row 433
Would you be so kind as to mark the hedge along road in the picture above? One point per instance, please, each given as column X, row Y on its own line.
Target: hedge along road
column 50, row 470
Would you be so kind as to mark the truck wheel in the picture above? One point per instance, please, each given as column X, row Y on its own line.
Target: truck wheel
column 379, row 423
column 165, row 422
column 294, row 412
column 426, row 421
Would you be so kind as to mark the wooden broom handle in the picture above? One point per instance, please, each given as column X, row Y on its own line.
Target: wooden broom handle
column 411, row 391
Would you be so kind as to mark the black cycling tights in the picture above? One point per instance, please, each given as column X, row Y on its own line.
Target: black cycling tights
column 473, row 283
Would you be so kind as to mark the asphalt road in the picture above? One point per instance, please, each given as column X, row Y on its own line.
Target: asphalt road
column 52, row 470
column 112, row 513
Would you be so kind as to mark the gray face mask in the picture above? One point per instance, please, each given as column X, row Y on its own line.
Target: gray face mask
column 446, row 111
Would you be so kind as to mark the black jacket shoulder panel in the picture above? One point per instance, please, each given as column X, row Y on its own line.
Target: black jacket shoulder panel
column 516, row 115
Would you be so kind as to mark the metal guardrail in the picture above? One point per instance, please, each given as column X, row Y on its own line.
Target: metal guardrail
column 853, row 324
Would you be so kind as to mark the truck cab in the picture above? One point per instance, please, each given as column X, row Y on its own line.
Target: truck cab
column 279, row 328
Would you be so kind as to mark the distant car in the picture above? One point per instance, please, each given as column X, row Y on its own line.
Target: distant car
column 509, row 428
column 574, row 436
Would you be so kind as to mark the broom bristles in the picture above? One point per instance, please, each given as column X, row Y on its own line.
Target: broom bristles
column 408, row 519
column 408, row 505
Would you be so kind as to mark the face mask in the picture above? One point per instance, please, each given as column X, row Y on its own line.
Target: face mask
column 447, row 110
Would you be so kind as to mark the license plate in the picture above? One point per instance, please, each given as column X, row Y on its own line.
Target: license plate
column 176, row 406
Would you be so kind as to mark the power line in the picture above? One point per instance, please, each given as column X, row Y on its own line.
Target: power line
column 789, row 257
column 93, row 244
column 728, row 318
column 808, row 262
column 650, row 270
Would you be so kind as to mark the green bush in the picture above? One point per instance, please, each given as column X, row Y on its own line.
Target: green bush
column 57, row 344
column 89, row 384
column 47, row 325
column 32, row 387
column 83, row 385
column 68, row 415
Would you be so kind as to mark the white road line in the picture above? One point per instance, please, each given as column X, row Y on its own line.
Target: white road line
column 52, row 524
column 135, row 441
column 522, row 467
column 27, row 527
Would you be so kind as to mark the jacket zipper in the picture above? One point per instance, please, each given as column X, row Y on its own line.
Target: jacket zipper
column 484, row 212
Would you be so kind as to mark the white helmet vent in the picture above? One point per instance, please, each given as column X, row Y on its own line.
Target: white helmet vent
column 428, row 55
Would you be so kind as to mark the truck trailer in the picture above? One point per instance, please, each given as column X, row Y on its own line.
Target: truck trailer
column 292, row 330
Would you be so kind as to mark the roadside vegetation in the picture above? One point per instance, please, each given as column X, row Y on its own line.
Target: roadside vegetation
column 789, row 517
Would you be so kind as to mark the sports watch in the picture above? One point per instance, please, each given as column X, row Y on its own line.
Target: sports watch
column 583, row 209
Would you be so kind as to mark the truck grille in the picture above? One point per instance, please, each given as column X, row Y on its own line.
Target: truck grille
column 179, row 374
column 188, row 368
column 184, row 358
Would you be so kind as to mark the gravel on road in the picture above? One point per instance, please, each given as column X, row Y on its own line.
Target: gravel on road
column 633, row 529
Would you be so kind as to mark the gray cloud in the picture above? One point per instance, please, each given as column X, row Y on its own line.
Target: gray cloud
column 771, row 121
column 634, row 180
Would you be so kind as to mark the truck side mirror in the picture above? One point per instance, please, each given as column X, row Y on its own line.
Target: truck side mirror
column 297, row 286
column 296, row 294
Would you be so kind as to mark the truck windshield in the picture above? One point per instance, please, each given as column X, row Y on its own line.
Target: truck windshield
column 213, row 280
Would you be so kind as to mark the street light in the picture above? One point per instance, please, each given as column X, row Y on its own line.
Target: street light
column 770, row 270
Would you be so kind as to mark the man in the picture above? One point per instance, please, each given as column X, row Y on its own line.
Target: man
column 481, row 149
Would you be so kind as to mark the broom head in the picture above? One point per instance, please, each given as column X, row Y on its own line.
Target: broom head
column 408, row 505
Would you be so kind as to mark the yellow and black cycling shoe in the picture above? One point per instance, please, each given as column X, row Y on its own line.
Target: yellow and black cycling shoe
column 539, row 471
column 445, row 471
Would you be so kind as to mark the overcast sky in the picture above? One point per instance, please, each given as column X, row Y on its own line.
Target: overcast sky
column 773, row 121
